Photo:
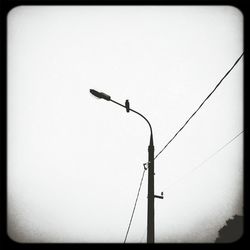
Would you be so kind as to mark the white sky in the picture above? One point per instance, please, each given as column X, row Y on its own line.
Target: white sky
column 75, row 162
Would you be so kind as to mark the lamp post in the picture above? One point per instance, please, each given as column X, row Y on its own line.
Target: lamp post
column 151, row 196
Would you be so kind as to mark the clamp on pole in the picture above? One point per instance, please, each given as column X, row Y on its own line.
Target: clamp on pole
column 145, row 165
column 159, row 196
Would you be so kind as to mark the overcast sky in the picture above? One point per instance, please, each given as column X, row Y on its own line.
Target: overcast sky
column 75, row 162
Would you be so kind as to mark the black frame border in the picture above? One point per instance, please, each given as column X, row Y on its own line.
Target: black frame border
column 5, row 7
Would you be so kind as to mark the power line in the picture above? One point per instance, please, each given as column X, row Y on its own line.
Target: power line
column 207, row 159
column 135, row 205
column 200, row 105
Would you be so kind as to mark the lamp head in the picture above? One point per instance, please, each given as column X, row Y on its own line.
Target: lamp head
column 100, row 95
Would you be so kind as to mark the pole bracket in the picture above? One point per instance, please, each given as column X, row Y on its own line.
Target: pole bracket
column 159, row 196
column 145, row 165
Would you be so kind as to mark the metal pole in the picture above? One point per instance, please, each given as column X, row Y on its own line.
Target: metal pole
column 151, row 221
column 151, row 196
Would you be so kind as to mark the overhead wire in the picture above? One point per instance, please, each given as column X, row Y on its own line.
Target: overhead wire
column 204, row 161
column 200, row 105
column 137, row 196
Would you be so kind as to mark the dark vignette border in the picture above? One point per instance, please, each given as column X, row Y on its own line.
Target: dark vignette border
column 8, row 5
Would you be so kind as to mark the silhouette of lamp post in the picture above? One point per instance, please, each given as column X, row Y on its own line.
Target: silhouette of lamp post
column 151, row 196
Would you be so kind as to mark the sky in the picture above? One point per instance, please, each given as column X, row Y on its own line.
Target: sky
column 75, row 162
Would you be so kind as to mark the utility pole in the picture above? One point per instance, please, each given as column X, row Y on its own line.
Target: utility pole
column 151, row 196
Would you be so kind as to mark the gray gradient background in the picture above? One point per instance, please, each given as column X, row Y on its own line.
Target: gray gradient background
column 75, row 162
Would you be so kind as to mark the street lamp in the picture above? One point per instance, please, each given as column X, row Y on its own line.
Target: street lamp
column 151, row 196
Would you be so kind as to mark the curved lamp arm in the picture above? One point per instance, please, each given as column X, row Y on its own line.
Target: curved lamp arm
column 106, row 97
column 151, row 130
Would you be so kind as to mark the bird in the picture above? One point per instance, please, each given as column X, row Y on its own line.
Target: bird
column 127, row 105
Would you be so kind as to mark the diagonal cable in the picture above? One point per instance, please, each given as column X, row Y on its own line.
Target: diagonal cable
column 204, row 161
column 134, row 205
column 200, row 105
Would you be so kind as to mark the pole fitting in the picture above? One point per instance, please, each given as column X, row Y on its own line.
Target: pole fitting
column 146, row 164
